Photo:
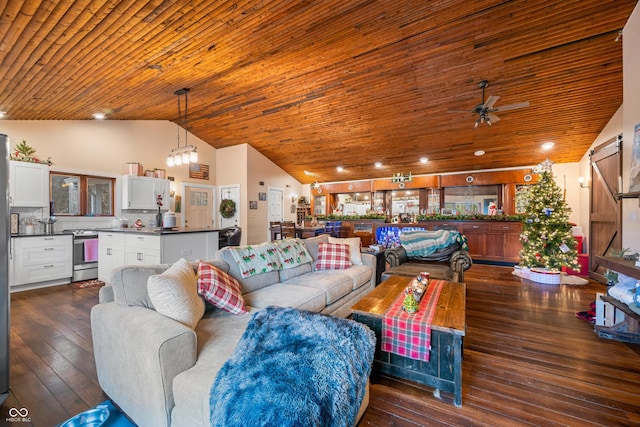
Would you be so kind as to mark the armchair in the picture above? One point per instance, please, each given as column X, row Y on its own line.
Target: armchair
column 448, row 263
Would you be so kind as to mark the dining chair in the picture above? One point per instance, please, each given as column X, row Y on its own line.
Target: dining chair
column 276, row 229
column 288, row 229
column 328, row 228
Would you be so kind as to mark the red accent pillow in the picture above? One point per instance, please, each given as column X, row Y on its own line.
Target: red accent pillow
column 333, row 256
column 220, row 289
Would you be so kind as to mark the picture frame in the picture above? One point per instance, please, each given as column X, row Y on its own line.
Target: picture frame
column 253, row 204
column 262, row 196
column 15, row 223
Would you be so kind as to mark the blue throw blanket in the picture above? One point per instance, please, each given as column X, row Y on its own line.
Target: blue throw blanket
column 424, row 243
column 294, row 368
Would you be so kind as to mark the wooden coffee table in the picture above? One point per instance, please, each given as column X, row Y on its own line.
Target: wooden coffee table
column 444, row 369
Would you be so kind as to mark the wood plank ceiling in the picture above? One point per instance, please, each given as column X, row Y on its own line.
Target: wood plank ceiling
column 314, row 85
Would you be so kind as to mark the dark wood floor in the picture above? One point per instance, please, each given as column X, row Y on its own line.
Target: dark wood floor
column 527, row 361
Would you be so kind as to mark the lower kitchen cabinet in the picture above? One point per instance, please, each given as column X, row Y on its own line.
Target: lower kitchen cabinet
column 119, row 248
column 110, row 254
column 142, row 249
column 41, row 261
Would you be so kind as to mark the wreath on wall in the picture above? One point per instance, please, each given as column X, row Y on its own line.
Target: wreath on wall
column 227, row 208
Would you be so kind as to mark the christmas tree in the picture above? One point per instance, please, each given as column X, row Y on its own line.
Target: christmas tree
column 546, row 233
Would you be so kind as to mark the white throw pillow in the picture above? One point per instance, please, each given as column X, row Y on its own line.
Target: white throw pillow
column 354, row 248
column 174, row 294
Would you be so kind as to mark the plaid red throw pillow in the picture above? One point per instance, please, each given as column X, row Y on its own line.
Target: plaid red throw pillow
column 333, row 256
column 220, row 289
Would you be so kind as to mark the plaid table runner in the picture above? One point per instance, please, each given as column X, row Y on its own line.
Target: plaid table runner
column 409, row 335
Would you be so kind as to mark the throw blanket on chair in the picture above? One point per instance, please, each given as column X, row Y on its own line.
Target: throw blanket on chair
column 294, row 368
column 423, row 243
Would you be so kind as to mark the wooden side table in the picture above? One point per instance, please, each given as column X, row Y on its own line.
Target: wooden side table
column 443, row 371
column 380, row 262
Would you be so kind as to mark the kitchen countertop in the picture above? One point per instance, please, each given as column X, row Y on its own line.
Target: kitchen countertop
column 157, row 231
column 57, row 233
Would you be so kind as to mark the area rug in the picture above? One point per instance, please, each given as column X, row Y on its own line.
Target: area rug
column 87, row 284
column 294, row 368
column 88, row 418
column 588, row 315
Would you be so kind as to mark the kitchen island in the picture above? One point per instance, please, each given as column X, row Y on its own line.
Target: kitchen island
column 131, row 246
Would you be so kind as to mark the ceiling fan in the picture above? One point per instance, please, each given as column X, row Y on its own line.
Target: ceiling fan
column 486, row 109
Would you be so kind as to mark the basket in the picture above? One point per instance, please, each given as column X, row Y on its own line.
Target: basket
column 540, row 275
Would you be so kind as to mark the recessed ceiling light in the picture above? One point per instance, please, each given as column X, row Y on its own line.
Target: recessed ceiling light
column 547, row 145
column 99, row 116
column 339, row 168
column 479, row 153
column 378, row 164
column 424, row 159
column 2, row 114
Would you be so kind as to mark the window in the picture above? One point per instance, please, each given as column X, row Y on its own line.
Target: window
column 472, row 200
column 81, row 195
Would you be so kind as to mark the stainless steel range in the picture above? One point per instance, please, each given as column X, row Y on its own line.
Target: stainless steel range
column 85, row 254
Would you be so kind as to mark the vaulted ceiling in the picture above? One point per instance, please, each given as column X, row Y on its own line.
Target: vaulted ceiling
column 314, row 85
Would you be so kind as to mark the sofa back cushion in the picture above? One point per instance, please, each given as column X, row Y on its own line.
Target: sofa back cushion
column 248, row 284
column 129, row 282
column 312, row 244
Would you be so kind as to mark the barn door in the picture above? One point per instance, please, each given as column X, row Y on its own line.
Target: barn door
column 605, row 216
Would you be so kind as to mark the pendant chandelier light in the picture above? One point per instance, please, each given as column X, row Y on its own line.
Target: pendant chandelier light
column 187, row 154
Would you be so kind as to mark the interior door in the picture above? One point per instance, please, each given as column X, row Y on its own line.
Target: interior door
column 275, row 208
column 605, row 214
column 230, row 192
column 198, row 210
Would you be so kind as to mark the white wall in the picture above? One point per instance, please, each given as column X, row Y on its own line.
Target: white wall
column 261, row 169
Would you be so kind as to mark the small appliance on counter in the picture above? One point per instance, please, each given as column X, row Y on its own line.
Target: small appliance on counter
column 169, row 220
column 48, row 224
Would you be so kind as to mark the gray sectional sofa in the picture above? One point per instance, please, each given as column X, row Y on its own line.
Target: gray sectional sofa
column 160, row 372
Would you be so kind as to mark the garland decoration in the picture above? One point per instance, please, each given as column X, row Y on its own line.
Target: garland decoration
column 23, row 152
column 227, row 208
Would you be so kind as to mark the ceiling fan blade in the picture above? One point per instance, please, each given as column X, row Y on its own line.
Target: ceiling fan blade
column 493, row 117
column 490, row 101
column 511, row 106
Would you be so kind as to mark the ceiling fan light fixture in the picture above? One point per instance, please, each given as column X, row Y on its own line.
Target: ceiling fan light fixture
column 547, row 145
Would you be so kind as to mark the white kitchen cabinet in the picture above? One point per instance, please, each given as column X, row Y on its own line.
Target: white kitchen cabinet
column 141, row 192
column 142, row 249
column 29, row 184
column 46, row 259
column 110, row 254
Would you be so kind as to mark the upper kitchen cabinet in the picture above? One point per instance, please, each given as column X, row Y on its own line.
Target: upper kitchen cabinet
column 141, row 192
column 29, row 185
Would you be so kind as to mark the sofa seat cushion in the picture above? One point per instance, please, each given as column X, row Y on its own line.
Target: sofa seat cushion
column 359, row 274
column 287, row 295
column 333, row 283
column 218, row 333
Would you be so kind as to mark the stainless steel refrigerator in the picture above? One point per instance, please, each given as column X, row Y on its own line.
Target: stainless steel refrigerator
column 5, row 238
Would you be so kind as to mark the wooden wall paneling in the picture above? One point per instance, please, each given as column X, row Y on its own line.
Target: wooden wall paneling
column 315, row 85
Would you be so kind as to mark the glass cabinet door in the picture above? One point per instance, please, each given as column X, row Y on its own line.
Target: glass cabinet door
column 320, row 205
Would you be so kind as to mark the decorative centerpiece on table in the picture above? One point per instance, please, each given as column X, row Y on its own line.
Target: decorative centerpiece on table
column 23, row 152
column 227, row 208
column 414, row 292
column 547, row 241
